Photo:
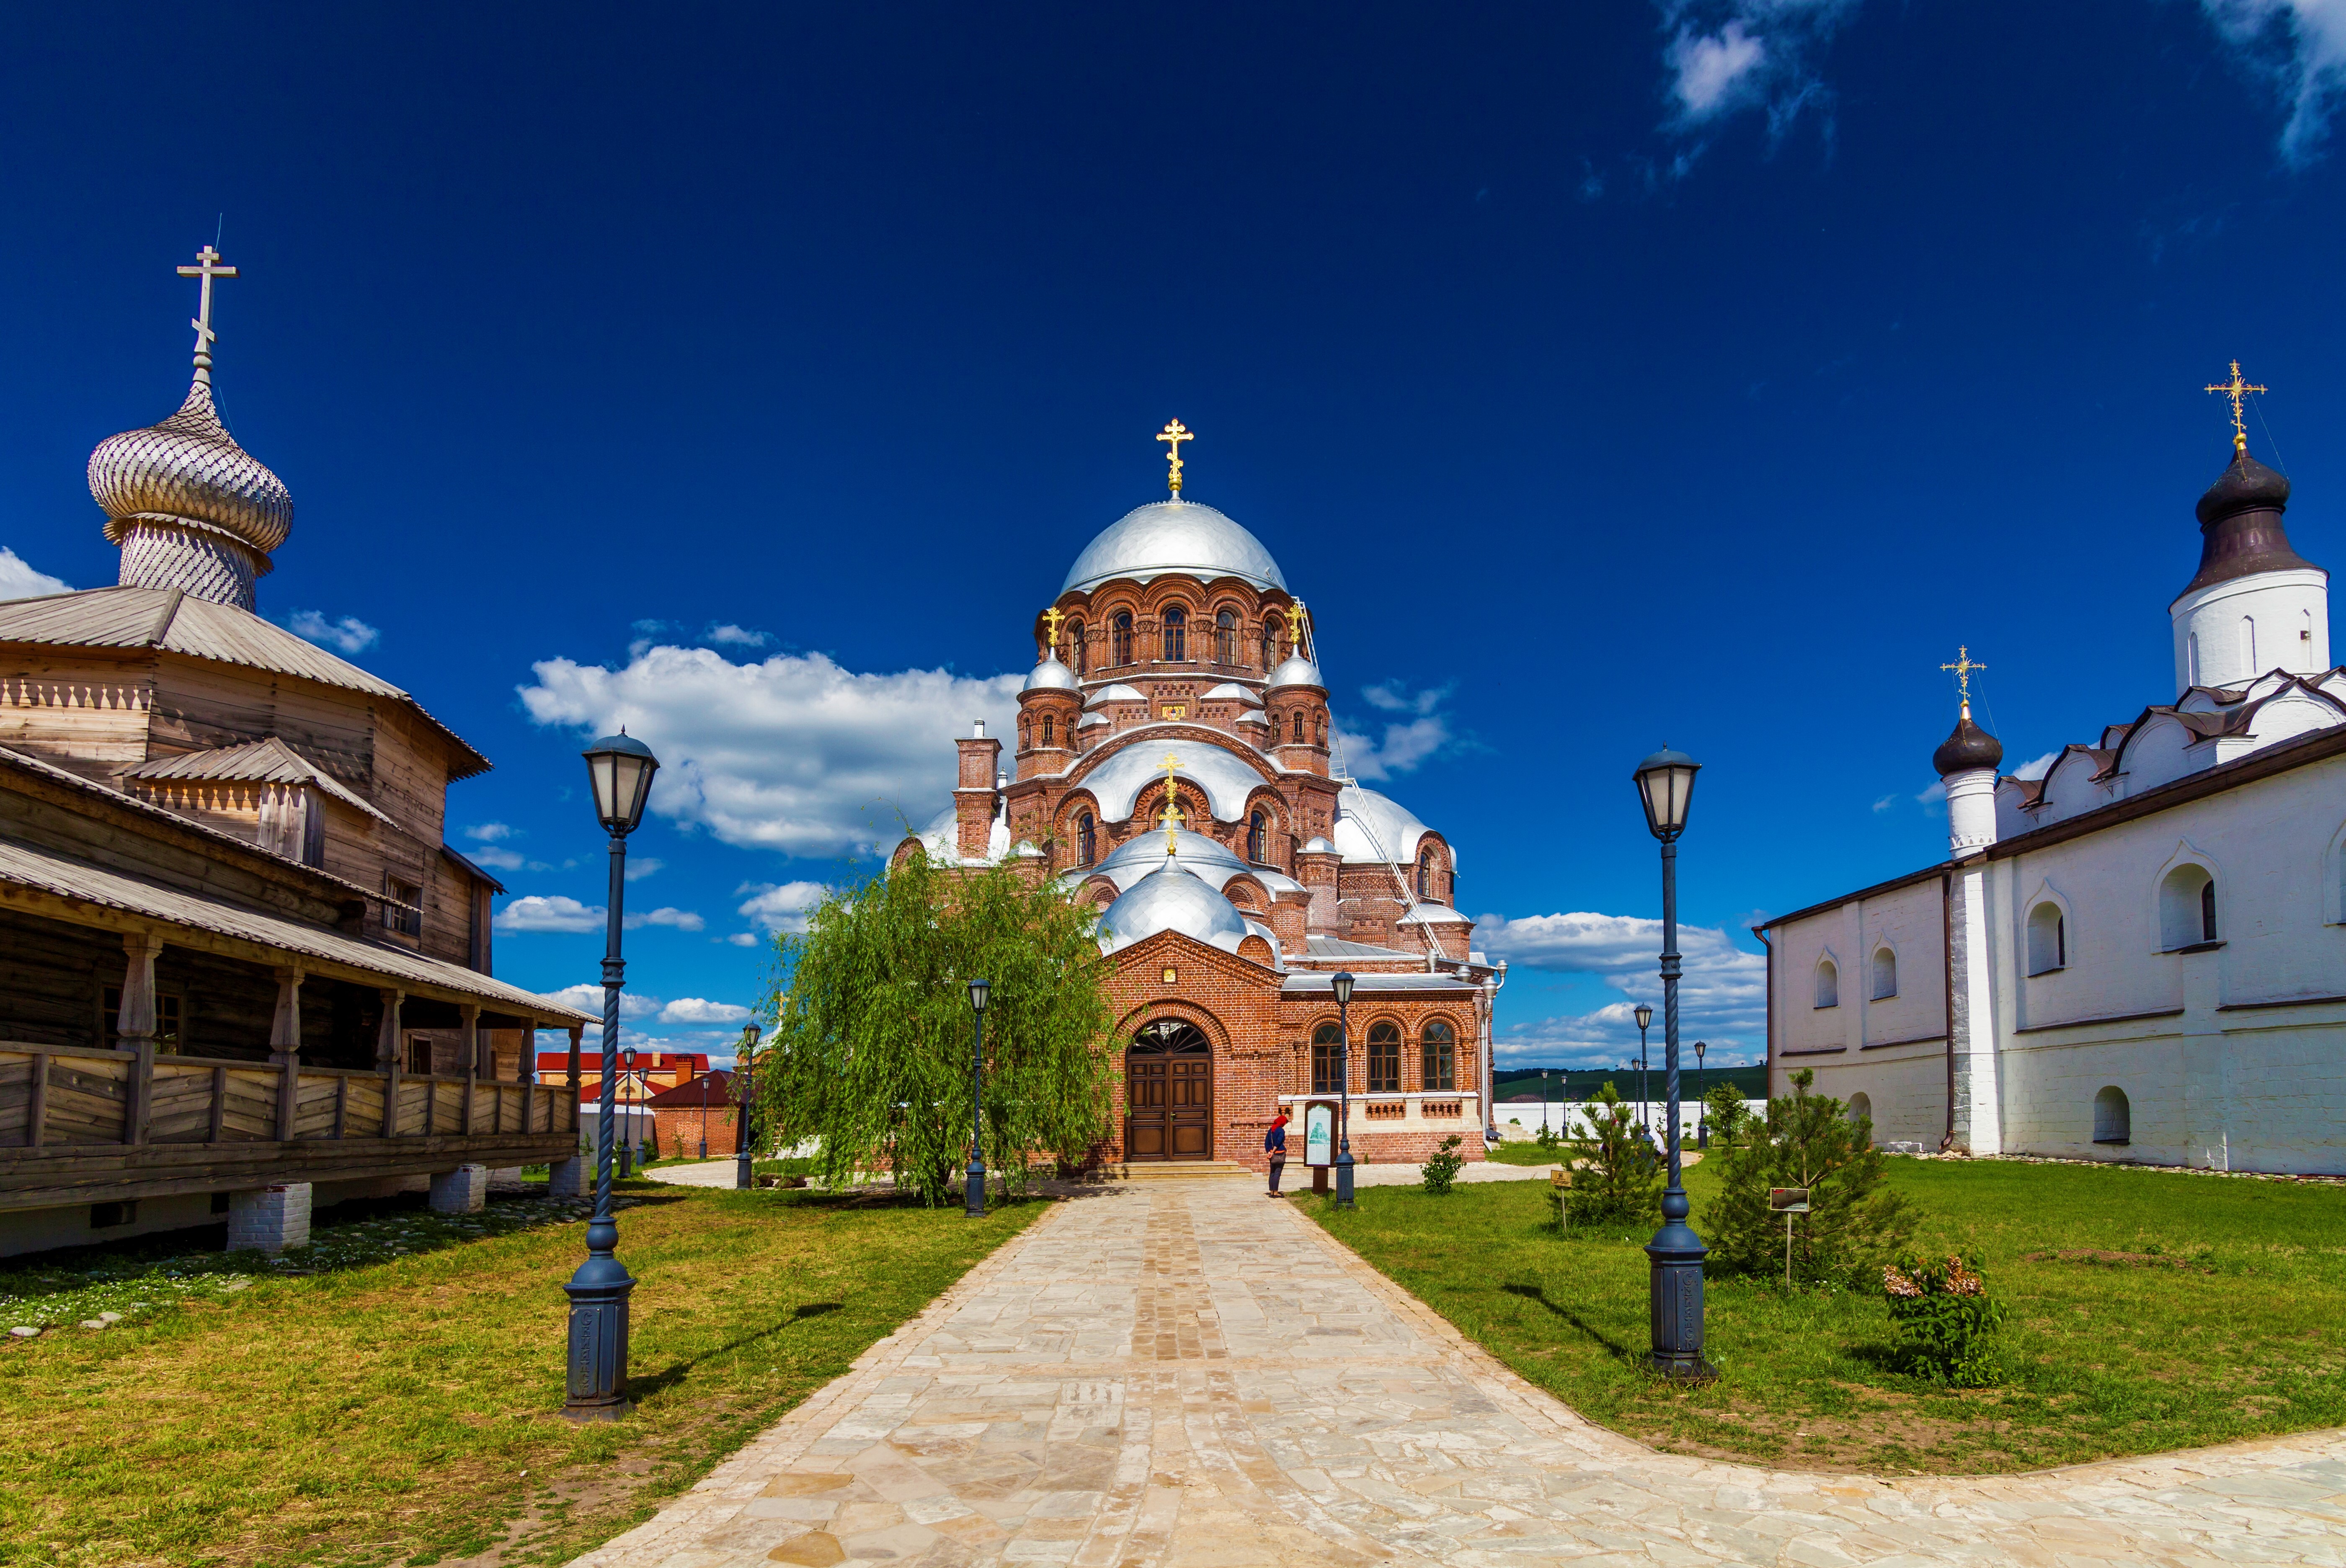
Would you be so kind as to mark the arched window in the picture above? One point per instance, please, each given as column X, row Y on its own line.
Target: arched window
column 2187, row 907
column 1319, row 728
column 1385, row 1058
column 1050, row 730
column 1885, row 973
column 2113, row 1117
column 1425, row 874
column 1269, row 647
column 1226, row 637
column 1177, row 634
column 1298, row 726
column 1087, row 840
column 1258, row 839
column 1026, row 735
column 1076, row 635
column 2049, row 939
column 2249, row 643
column 2191, row 657
column 1860, row 1107
column 1828, row 983
column 1437, row 1058
column 1119, row 649
column 1327, row 1060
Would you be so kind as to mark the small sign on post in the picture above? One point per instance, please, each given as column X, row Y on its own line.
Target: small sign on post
column 1788, row 1201
column 1560, row 1179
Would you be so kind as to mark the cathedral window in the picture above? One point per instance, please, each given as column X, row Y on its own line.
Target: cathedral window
column 1049, row 727
column 1437, row 1059
column 1119, row 650
column 2049, row 939
column 1258, row 839
column 2191, row 655
column 1828, row 983
column 2187, row 907
column 1328, row 1060
column 1885, row 973
column 1269, row 647
column 1087, row 840
column 1226, row 637
column 1425, row 874
column 1177, row 634
column 1298, row 726
column 1077, row 634
column 1385, row 1058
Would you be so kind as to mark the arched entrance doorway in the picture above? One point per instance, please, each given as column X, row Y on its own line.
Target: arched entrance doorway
column 1169, row 1092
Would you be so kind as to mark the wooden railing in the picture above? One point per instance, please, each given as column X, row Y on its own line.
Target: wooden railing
column 58, row 1096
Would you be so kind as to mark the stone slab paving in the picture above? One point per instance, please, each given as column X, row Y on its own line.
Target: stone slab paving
column 1191, row 1375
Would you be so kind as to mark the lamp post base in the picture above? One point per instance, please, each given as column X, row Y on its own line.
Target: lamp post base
column 1344, row 1180
column 1675, row 1296
column 598, row 1296
column 974, row 1192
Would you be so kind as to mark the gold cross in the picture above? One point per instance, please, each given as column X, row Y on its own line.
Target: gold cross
column 1962, row 666
column 1051, row 619
column 1173, row 435
column 2238, row 390
column 1171, row 816
column 207, row 268
column 1299, row 628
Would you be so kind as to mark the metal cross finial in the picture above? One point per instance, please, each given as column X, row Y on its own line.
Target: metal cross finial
column 1962, row 666
column 2238, row 390
column 1051, row 619
column 207, row 268
column 1174, row 434
column 1171, row 816
column 1298, row 628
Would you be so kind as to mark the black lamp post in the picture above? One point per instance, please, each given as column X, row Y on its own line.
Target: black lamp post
column 1644, row 1017
column 620, row 770
column 631, row 1132
column 745, row 1155
column 704, row 1110
column 1342, row 985
column 1666, row 786
column 973, row 1205
column 1701, row 1099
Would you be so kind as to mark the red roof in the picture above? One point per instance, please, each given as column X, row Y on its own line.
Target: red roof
column 719, row 1086
column 590, row 1059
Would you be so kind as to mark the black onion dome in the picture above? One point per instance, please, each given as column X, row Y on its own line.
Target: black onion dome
column 2240, row 526
column 1968, row 747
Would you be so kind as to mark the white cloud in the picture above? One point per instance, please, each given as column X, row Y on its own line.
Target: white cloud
column 2037, row 768
column 2299, row 47
column 490, row 832
column 1722, row 996
column 736, row 637
column 1407, row 741
column 680, row 920
column 642, row 866
column 588, row 997
column 694, row 1010
column 790, row 753
column 20, row 581
column 503, row 859
column 558, row 913
column 1935, row 796
column 1730, row 54
column 349, row 635
column 744, row 939
column 1886, row 801
column 778, row 908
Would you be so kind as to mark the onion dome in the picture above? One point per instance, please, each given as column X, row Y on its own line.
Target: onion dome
column 2240, row 525
column 1174, row 535
column 1050, row 675
column 1969, row 748
column 1297, row 670
column 1173, row 898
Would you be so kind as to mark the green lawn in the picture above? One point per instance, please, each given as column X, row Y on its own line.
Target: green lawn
column 2163, row 1310
column 399, row 1406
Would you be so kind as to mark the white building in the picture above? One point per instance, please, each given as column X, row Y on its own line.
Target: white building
column 2140, row 955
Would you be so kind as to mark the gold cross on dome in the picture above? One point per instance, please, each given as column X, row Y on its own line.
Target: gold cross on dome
column 1171, row 816
column 2238, row 390
column 207, row 268
column 1299, row 630
column 1051, row 619
column 1174, row 434
column 1962, row 666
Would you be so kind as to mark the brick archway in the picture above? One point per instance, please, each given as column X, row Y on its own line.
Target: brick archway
column 1169, row 1091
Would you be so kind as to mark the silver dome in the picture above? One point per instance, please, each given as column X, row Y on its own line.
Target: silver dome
column 1050, row 675
column 1174, row 536
column 1296, row 671
column 188, row 466
column 1172, row 898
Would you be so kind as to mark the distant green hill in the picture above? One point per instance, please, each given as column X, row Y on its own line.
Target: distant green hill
column 1579, row 1083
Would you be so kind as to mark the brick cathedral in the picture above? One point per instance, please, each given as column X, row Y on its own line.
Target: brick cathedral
column 1173, row 769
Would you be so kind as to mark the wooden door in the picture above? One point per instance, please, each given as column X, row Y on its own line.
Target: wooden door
column 1168, row 1095
column 1189, row 1106
column 1144, row 1116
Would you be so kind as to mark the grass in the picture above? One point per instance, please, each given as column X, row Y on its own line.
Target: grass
column 398, row 1404
column 1522, row 1153
column 2149, row 1311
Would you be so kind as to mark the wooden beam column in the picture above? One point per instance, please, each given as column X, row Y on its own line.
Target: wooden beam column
column 135, row 1023
column 525, row 1069
column 285, row 1049
column 475, row 1043
column 386, row 1057
column 576, row 1031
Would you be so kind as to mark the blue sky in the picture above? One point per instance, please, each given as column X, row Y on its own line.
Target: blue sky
column 1603, row 375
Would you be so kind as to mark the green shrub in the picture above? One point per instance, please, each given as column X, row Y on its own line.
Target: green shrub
column 1944, row 1320
column 1725, row 1113
column 1547, row 1138
column 1854, row 1224
column 1616, row 1182
column 1444, row 1167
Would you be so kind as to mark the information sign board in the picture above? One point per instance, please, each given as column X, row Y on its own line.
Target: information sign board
column 1789, row 1199
column 1319, row 1134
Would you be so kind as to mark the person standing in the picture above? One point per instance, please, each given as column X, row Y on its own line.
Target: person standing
column 1274, row 1143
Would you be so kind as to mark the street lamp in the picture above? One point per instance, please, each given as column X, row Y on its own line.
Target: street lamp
column 745, row 1154
column 620, row 771
column 631, row 1131
column 704, row 1110
column 1644, row 1017
column 1341, row 984
column 973, row 1198
column 1673, row 1293
column 1701, row 1099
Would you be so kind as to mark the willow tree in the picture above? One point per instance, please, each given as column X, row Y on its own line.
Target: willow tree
column 870, row 1050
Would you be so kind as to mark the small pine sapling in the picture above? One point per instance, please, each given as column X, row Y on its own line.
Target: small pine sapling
column 1855, row 1224
column 1444, row 1167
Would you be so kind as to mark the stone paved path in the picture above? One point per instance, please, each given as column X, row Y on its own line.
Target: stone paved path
column 1187, row 1374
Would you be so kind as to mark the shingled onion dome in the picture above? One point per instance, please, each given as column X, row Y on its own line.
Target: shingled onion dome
column 2240, row 525
column 1968, row 749
column 190, row 507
